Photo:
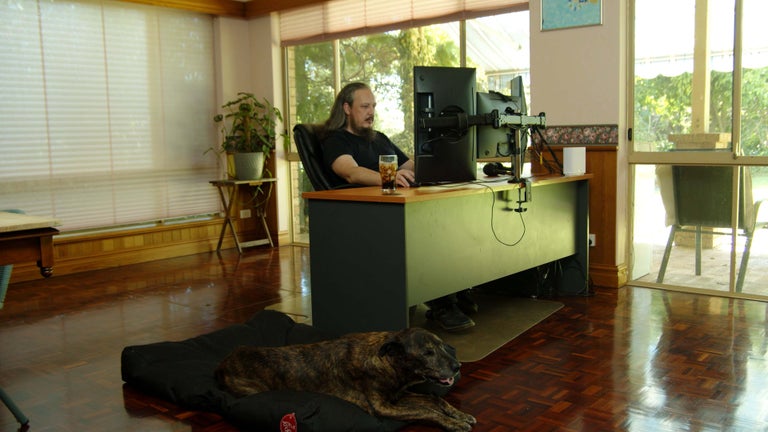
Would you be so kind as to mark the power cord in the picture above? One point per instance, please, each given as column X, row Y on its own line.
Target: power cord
column 538, row 151
column 588, row 289
column 493, row 227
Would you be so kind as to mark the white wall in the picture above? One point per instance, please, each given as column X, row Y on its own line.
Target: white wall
column 578, row 77
column 267, row 79
column 576, row 73
column 232, row 58
column 248, row 59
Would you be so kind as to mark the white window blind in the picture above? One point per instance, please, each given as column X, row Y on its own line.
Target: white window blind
column 344, row 18
column 105, row 112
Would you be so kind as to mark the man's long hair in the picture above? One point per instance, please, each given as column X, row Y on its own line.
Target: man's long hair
column 338, row 118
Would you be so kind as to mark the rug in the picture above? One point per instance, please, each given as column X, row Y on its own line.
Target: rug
column 500, row 319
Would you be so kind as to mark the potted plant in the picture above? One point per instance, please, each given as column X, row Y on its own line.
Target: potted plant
column 249, row 133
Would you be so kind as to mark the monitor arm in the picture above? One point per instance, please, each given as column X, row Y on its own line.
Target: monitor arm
column 517, row 123
column 514, row 121
column 462, row 121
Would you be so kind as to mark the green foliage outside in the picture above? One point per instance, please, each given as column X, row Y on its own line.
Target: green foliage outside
column 663, row 107
column 384, row 61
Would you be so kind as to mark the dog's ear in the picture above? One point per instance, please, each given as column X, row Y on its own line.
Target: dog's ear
column 392, row 347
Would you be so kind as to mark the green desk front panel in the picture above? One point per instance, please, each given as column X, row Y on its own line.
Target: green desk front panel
column 371, row 261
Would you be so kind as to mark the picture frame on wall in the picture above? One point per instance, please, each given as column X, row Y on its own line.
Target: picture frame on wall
column 561, row 14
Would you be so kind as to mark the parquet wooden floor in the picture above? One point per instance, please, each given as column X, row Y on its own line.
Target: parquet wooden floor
column 632, row 359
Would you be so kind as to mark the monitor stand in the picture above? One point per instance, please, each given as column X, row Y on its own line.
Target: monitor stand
column 517, row 156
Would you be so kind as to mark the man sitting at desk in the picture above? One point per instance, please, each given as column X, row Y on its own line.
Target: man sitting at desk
column 351, row 149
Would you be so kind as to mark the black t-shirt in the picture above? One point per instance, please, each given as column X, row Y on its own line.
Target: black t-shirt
column 365, row 153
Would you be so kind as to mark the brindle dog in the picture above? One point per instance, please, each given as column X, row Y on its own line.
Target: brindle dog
column 371, row 370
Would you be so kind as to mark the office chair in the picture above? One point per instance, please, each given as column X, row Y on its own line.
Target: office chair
column 5, row 278
column 311, row 153
column 702, row 196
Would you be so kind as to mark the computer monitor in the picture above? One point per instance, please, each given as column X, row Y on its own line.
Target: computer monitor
column 498, row 142
column 444, row 147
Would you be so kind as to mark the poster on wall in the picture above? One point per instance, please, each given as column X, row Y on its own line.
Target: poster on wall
column 560, row 14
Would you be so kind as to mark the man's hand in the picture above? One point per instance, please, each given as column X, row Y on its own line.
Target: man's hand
column 405, row 177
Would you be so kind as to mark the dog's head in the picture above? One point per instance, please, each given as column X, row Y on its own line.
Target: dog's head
column 421, row 355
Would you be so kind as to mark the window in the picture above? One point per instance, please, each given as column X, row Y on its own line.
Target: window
column 497, row 45
column 685, row 87
column 385, row 62
column 311, row 67
column 105, row 112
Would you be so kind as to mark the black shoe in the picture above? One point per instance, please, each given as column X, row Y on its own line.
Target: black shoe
column 450, row 318
column 466, row 302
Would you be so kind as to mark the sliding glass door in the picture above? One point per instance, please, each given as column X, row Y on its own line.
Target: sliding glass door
column 700, row 145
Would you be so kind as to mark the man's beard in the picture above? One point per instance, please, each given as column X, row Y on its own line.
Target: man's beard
column 366, row 132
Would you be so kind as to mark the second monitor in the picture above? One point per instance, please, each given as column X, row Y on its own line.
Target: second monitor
column 498, row 142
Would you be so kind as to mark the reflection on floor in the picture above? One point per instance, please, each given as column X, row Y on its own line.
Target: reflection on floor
column 632, row 359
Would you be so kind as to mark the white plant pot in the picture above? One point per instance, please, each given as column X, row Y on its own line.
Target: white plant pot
column 249, row 166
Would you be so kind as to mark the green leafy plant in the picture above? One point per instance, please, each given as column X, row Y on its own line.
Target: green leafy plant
column 249, row 125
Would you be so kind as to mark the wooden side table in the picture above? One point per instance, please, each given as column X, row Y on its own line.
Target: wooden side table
column 27, row 238
column 261, row 191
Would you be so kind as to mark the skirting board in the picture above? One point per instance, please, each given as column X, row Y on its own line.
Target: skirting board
column 608, row 276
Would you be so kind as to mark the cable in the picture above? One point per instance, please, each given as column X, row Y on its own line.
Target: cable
column 493, row 228
column 588, row 289
column 485, row 184
column 547, row 273
column 539, row 149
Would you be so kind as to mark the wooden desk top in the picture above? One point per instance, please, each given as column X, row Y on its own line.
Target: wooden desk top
column 10, row 222
column 423, row 193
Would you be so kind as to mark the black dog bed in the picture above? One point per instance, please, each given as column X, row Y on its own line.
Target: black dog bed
column 182, row 372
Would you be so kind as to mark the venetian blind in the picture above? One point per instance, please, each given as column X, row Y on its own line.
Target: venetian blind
column 344, row 18
column 105, row 112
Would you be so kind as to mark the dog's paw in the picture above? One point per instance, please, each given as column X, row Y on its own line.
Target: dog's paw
column 464, row 417
column 462, row 423
column 459, row 427
column 469, row 420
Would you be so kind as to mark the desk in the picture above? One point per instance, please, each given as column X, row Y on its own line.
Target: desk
column 228, row 192
column 26, row 238
column 372, row 256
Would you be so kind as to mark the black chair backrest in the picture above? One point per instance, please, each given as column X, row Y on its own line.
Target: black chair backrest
column 311, row 154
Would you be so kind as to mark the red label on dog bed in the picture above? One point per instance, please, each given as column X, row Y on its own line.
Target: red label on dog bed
column 288, row 423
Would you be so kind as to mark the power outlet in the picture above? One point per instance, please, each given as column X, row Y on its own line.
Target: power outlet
column 592, row 242
column 245, row 214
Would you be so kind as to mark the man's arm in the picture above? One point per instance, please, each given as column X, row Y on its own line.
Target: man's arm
column 345, row 167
